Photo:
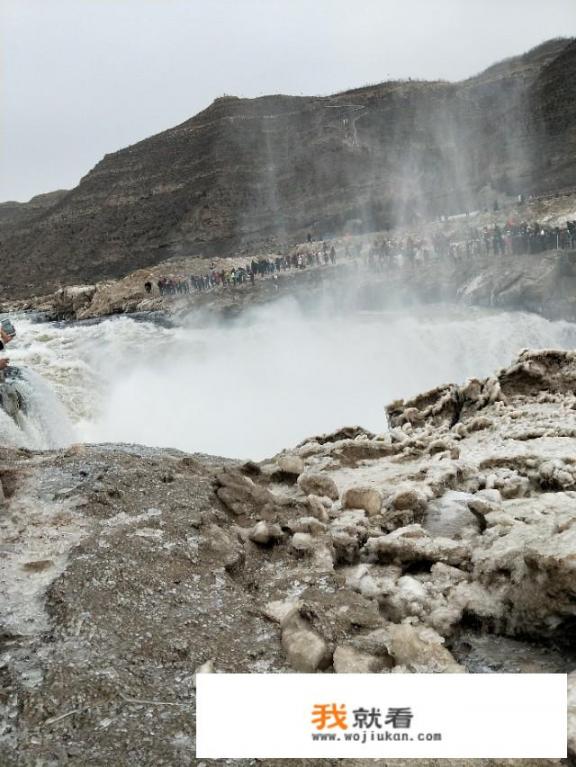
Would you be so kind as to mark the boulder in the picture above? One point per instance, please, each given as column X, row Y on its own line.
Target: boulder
column 323, row 558
column 349, row 660
column 413, row 544
column 420, row 649
column 318, row 484
column 10, row 399
column 306, row 651
column 317, row 508
column 346, row 547
column 69, row 301
column 226, row 546
column 291, row 464
column 265, row 533
column 282, row 611
column 308, row 525
column 527, row 564
column 302, row 542
column 367, row 498
column 409, row 498
column 485, row 501
column 240, row 494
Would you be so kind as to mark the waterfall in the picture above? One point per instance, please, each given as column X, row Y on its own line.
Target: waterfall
column 251, row 388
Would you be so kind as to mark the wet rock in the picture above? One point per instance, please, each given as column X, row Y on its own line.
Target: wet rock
column 346, row 547
column 265, row 533
column 349, row 660
column 323, row 557
column 38, row 565
column 440, row 406
column 410, row 498
column 557, row 475
column 420, row 650
column 302, row 542
column 308, row 525
column 317, row 508
column 318, row 484
column 291, row 464
column 373, row 580
column 10, row 399
column 450, row 516
column 345, row 433
column 509, row 482
column 241, row 494
column 413, row 544
column 70, row 301
column 282, row 611
column 306, row 651
column 351, row 521
column 309, row 448
column 485, row 501
column 367, row 498
column 526, row 563
column 226, row 546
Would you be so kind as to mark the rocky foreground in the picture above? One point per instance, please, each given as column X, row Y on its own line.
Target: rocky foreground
column 445, row 545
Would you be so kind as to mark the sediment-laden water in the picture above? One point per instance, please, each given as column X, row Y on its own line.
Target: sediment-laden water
column 250, row 388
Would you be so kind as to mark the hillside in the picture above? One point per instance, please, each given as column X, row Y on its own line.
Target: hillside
column 16, row 212
column 247, row 172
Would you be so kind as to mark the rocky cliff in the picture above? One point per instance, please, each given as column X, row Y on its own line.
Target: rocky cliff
column 248, row 171
column 19, row 212
column 444, row 545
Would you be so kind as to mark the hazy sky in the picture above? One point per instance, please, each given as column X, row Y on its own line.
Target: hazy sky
column 80, row 78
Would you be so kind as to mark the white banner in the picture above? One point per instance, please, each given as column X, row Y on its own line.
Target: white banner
column 381, row 715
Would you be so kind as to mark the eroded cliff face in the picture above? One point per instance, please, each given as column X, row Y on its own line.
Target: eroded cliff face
column 257, row 171
column 445, row 545
column 17, row 212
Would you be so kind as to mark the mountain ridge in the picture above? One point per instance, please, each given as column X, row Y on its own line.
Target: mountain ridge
column 258, row 172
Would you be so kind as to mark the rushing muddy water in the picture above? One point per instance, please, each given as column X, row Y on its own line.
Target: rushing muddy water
column 253, row 387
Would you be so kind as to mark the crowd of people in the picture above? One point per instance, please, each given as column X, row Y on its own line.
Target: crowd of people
column 240, row 275
column 383, row 253
column 517, row 239
column 511, row 239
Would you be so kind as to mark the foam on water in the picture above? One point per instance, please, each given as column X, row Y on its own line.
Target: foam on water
column 252, row 388
column 44, row 422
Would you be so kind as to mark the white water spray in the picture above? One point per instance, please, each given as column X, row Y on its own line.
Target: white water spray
column 42, row 423
column 255, row 387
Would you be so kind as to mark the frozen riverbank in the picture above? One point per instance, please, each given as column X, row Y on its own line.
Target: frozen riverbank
column 445, row 545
